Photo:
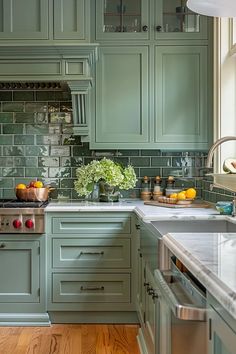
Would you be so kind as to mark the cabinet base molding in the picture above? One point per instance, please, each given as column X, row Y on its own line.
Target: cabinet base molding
column 24, row 319
column 93, row 317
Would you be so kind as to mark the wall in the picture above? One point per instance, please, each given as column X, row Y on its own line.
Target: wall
column 36, row 141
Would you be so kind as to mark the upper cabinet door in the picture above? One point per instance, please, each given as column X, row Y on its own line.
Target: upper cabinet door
column 122, row 19
column 173, row 20
column 181, row 97
column 25, row 19
column 122, row 103
column 71, row 19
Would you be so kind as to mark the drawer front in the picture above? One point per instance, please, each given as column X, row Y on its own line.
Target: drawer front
column 95, row 225
column 93, row 253
column 99, row 288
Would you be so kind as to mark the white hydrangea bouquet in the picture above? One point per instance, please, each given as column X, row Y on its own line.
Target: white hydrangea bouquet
column 109, row 173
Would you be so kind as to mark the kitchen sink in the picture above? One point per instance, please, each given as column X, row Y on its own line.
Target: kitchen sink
column 164, row 227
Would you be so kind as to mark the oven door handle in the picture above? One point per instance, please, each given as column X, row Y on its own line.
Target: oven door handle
column 180, row 311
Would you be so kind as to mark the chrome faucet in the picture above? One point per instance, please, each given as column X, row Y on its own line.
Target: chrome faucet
column 234, row 206
column 214, row 146
column 210, row 158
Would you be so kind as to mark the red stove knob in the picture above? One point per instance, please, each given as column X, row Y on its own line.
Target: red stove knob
column 29, row 224
column 17, row 224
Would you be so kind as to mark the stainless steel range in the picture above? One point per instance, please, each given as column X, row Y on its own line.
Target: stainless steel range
column 21, row 217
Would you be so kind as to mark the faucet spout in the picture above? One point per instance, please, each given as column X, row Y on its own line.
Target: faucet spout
column 214, row 146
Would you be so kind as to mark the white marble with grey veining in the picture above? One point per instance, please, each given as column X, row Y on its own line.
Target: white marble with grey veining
column 145, row 212
column 211, row 257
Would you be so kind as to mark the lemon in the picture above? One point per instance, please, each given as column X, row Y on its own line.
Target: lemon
column 38, row 184
column 174, row 196
column 21, row 186
column 191, row 193
column 181, row 196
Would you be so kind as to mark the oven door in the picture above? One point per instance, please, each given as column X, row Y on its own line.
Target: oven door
column 182, row 315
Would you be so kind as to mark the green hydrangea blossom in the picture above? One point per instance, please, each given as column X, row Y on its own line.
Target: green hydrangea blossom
column 104, row 170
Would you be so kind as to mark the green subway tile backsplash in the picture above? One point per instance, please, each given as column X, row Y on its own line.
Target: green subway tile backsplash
column 33, row 147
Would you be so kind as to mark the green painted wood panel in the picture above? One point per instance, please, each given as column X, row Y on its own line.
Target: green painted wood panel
column 181, row 96
column 26, row 68
column 71, row 19
column 95, row 225
column 91, row 253
column 223, row 338
column 19, row 271
column 122, row 96
column 25, row 19
column 99, row 288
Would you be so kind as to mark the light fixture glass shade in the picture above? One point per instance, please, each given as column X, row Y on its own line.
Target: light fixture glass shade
column 215, row 8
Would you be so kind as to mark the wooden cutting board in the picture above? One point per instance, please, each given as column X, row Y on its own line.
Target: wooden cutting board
column 195, row 204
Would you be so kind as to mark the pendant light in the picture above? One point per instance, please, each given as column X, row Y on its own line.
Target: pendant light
column 215, row 8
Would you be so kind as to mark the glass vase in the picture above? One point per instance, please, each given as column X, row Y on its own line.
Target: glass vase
column 108, row 193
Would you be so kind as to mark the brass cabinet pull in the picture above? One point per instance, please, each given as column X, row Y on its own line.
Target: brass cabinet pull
column 91, row 288
column 92, row 253
column 2, row 245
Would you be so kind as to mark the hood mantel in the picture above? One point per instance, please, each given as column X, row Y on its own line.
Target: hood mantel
column 68, row 63
column 43, row 63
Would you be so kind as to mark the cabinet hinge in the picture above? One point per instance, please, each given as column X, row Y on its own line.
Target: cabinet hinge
column 38, row 291
column 38, row 250
column 144, row 317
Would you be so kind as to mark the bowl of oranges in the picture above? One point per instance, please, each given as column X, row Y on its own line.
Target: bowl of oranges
column 184, row 197
column 34, row 191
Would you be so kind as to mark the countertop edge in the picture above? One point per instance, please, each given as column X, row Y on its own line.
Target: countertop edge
column 222, row 293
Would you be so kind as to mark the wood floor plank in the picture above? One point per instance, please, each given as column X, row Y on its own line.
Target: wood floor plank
column 70, row 339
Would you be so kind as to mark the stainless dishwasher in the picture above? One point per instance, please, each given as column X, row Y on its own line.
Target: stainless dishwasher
column 181, row 313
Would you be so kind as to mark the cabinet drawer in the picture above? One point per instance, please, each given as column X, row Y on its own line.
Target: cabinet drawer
column 88, row 225
column 99, row 288
column 94, row 253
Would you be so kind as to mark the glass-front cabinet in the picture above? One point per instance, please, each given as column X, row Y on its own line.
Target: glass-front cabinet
column 174, row 20
column 148, row 19
column 122, row 19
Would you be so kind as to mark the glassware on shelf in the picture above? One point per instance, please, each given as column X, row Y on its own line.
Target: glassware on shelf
column 122, row 16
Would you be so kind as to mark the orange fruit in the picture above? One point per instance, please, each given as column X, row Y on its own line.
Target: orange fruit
column 38, row 184
column 174, row 196
column 21, row 186
column 191, row 193
column 181, row 196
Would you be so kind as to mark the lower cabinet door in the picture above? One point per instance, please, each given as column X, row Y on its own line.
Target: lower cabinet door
column 99, row 288
column 19, row 271
column 222, row 337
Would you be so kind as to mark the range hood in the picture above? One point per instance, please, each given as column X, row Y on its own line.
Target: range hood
column 73, row 64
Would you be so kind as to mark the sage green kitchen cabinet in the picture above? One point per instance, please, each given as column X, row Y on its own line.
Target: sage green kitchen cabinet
column 22, row 279
column 181, row 97
column 91, row 266
column 173, row 20
column 122, row 97
column 147, row 20
column 154, row 91
column 47, row 21
column 24, row 19
column 71, row 20
column 221, row 329
column 125, row 20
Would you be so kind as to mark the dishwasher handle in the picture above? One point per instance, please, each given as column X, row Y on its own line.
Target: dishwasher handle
column 180, row 311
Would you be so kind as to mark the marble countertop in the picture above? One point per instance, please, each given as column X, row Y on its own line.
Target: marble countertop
column 145, row 212
column 211, row 257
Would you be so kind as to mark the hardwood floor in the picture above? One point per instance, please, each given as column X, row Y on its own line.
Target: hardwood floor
column 69, row 339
